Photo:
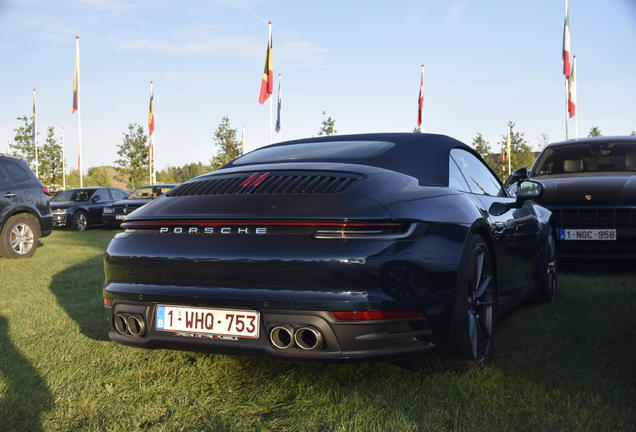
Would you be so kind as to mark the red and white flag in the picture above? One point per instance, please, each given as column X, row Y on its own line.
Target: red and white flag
column 420, row 100
column 572, row 90
column 267, row 83
column 566, row 42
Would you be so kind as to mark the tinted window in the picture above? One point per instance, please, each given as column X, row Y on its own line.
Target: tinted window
column 117, row 194
column 456, row 179
column 15, row 171
column 73, row 195
column 101, row 195
column 587, row 157
column 478, row 176
column 318, row 151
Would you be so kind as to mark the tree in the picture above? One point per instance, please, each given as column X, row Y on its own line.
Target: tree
column 181, row 174
column 544, row 140
column 225, row 140
column 50, row 159
column 521, row 154
column 132, row 165
column 22, row 146
column 481, row 146
column 98, row 176
column 328, row 126
column 594, row 132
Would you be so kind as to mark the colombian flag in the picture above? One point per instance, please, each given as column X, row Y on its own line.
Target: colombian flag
column 267, row 84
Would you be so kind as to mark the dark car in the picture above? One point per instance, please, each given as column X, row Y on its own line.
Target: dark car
column 115, row 213
column 25, row 214
column 82, row 208
column 352, row 248
column 590, row 187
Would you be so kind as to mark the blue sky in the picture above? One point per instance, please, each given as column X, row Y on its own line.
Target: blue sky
column 487, row 62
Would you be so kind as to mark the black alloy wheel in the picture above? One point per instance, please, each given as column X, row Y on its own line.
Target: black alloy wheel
column 80, row 221
column 474, row 317
column 548, row 285
column 477, row 285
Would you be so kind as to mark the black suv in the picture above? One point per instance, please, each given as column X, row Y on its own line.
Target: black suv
column 25, row 212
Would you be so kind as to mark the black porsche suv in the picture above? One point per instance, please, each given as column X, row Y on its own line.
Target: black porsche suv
column 25, row 212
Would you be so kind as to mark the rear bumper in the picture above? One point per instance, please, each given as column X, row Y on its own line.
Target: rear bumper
column 281, row 336
column 46, row 225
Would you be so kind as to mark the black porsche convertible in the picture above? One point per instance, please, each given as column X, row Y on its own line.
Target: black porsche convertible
column 370, row 247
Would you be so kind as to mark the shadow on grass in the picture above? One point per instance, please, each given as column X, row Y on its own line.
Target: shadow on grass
column 79, row 292
column 27, row 395
column 584, row 344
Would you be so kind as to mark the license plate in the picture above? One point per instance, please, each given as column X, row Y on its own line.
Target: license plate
column 221, row 322
column 587, row 234
column 120, row 217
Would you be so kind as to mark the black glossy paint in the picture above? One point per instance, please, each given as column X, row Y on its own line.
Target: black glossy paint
column 268, row 251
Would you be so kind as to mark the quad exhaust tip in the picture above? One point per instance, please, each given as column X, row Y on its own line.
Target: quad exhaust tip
column 306, row 338
column 130, row 324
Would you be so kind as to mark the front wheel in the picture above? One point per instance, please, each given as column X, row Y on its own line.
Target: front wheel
column 475, row 314
column 80, row 221
column 19, row 237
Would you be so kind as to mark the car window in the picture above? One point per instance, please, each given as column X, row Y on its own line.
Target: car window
column 586, row 157
column 456, row 179
column 117, row 194
column 15, row 171
column 3, row 179
column 102, row 194
column 479, row 177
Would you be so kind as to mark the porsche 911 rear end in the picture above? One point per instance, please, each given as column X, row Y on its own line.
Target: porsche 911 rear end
column 291, row 264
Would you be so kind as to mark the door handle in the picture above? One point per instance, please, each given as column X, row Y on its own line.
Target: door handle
column 9, row 195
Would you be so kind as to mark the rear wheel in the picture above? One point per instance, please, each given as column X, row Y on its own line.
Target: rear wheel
column 19, row 236
column 475, row 314
column 80, row 221
column 548, row 285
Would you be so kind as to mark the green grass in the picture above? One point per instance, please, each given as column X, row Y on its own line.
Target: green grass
column 569, row 366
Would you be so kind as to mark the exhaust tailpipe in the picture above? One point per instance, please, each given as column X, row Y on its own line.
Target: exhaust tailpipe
column 130, row 324
column 281, row 337
column 308, row 338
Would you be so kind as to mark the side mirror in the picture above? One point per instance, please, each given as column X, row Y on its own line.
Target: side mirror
column 525, row 190
column 518, row 174
column 96, row 198
column 529, row 190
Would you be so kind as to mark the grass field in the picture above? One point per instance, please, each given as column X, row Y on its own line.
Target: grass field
column 568, row 366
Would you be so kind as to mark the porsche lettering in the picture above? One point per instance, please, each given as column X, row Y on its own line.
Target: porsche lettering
column 212, row 230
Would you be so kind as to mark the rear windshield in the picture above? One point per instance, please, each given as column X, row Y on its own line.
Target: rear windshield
column 586, row 157
column 315, row 152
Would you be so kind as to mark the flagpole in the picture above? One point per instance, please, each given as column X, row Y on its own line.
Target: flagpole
column 278, row 109
column 79, row 112
column 63, row 162
column 508, row 150
column 242, row 142
column 35, row 139
column 152, row 174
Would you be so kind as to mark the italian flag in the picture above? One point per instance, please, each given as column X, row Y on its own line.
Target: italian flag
column 572, row 90
column 566, row 42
